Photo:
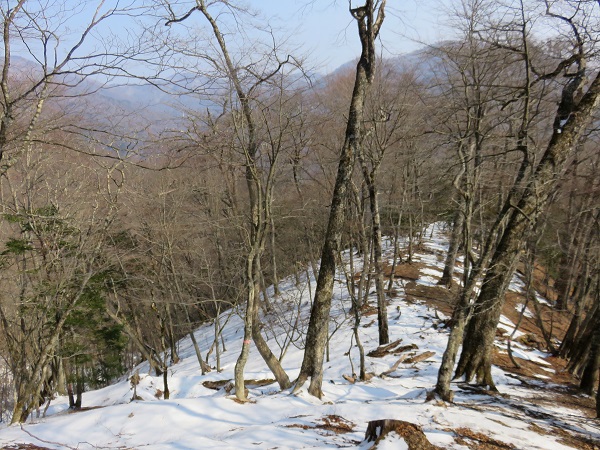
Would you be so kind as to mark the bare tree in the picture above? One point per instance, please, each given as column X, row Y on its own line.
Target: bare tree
column 53, row 253
column 369, row 19
column 247, row 81
column 530, row 195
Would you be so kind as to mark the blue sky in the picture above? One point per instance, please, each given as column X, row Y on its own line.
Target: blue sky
column 327, row 32
column 322, row 29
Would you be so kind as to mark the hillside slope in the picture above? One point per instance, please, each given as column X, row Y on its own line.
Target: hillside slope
column 531, row 412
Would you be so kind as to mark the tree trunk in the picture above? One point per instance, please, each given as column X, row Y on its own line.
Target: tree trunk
column 580, row 351
column 475, row 360
column 270, row 359
column 203, row 366
column 317, row 334
column 252, row 288
column 79, row 388
column 382, row 318
column 71, row 395
column 450, row 262
column 589, row 378
column 459, row 320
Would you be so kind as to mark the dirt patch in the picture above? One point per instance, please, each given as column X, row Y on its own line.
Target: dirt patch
column 478, row 441
column 554, row 322
column 391, row 349
column 218, row 384
column 368, row 310
column 336, row 424
column 332, row 423
column 83, row 408
column 526, row 368
column 542, row 281
column 438, row 296
column 406, row 271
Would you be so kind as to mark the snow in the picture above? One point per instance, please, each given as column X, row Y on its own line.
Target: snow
column 509, row 326
column 516, row 285
column 392, row 442
column 527, row 313
column 197, row 417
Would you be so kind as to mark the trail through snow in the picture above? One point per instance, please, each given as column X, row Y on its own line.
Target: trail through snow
column 197, row 417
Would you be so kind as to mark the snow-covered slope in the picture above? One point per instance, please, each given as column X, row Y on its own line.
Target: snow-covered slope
column 197, row 417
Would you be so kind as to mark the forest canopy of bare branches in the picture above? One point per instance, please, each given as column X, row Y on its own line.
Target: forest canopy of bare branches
column 152, row 178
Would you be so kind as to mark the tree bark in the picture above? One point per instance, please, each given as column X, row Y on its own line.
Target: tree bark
column 316, row 339
column 589, row 378
column 449, row 264
column 475, row 360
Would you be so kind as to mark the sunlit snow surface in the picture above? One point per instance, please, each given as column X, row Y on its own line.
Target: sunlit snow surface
column 199, row 418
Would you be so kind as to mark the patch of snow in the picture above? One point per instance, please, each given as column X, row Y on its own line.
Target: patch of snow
column 198, row 417
column 527, row 313
column 392, row 441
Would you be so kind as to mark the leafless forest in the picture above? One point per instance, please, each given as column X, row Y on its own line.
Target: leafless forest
column 125, row 223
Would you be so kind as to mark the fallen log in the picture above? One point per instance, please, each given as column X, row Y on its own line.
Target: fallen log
column 384, row 350
column 394, row 367
column 418, row 358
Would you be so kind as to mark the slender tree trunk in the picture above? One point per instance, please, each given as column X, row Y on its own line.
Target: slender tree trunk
column 456, row 233
column 369, row 21
column 260, row 196
column 251, row 286
column 382, row 318
column 396, row 257
column 273, row 259
column 204, row 368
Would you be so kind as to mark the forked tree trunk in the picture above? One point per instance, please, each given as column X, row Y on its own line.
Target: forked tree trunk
column 369, row 21
column 270, row 359
column 260, row 195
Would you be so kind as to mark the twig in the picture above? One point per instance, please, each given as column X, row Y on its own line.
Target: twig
column 48, row 442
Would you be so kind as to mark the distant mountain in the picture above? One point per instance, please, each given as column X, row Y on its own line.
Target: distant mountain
column 147, row 100
column 419, row 60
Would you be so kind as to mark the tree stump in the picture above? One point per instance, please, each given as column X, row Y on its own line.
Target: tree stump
column 412, row 434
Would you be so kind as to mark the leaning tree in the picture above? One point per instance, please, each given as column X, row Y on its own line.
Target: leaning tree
column 535, row 183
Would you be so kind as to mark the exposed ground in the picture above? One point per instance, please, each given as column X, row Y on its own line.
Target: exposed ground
column 537, row 406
